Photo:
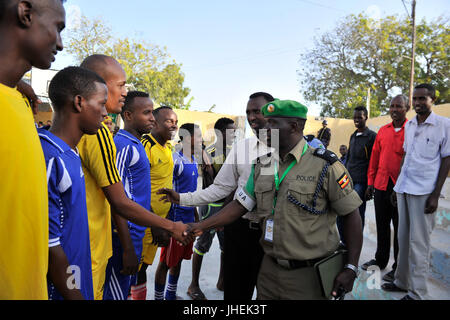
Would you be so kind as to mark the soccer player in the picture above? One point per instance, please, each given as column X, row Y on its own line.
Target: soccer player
column 104, row 188
column 159, row 153
column 78, row 97
column 217, row 152
column 134, row 170
column 29, row 36
column 185, row 176
column 109, row 124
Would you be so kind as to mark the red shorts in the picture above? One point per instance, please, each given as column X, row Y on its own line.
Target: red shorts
column 174, row 253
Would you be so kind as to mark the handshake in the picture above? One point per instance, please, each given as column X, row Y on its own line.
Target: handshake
column 183, row 233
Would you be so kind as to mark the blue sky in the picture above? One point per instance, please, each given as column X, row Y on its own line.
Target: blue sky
column 231, row 49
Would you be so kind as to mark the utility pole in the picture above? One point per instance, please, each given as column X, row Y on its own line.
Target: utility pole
column 368, row 103
column 411, row 80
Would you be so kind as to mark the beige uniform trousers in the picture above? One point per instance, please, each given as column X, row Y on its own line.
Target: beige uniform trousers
column 414, row 233
column 278, row 283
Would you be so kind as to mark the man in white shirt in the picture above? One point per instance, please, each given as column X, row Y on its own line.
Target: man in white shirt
column 243, row 253
column 425, row 167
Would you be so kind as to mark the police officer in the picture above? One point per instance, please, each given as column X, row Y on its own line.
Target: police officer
column 297, row 191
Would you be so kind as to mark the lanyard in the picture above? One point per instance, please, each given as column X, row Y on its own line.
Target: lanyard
column 278, row 181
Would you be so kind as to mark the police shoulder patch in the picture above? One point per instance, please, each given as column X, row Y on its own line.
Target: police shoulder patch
column 343, row 180
column 326, row 155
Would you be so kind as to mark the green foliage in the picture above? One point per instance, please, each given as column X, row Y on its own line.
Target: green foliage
column 90, row 37
column 212, row 108
column 148, row 67
column 362, row 53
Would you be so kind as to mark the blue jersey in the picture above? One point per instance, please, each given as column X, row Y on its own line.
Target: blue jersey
column 134, row 170
column 185, row 175
column 68, row 220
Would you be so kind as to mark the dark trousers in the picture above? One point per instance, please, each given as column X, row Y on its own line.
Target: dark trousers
column 385, row 212
column 242, row 259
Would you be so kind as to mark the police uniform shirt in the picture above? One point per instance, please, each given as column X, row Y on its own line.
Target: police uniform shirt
column 233, row 174
column 297, row 233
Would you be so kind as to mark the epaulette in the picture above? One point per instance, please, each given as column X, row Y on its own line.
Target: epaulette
column 327, row 155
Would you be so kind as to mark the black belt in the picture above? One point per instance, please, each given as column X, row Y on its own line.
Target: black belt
column 253, row 225
column 296, row 264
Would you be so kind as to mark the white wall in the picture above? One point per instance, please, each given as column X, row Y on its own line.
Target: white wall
column 40, row 80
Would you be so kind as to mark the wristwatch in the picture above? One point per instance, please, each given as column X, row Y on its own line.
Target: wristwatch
column 353, row 268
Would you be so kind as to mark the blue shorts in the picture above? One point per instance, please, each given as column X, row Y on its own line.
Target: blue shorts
column 117, row 285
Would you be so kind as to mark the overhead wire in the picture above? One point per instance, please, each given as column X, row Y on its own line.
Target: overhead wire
column 406, row 9
column 320, row 5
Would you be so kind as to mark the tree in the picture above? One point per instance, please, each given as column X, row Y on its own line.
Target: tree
column 89, row 37
column 362, row 54
column 148, row 67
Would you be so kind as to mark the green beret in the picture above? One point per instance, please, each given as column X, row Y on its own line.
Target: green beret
column 285, row 108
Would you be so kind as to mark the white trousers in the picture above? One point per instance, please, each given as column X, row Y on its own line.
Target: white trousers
column 414, row 234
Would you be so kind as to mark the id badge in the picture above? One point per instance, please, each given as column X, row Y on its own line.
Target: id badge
column 268, row 235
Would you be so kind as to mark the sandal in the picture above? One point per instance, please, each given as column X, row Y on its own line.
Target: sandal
column 196, row 295
column 390, row 286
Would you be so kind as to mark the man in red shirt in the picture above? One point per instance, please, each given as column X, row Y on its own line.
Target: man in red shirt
column 384, row 168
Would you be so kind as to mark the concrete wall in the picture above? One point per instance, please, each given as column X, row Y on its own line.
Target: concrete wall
column 341, row 129
column 206, row 121
column 40, row 80
column 43, row 116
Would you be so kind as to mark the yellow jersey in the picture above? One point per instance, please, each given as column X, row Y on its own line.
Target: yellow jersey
column 24, row 203
column 161, row 171
column 161, row 176
column 98, row 158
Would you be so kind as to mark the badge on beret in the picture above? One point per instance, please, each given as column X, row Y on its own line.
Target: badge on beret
column 343, row 181
column 270, row 108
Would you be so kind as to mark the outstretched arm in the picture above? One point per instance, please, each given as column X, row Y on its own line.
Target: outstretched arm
column 133, row 212
column 227, row 215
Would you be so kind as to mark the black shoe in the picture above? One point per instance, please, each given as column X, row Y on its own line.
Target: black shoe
column 390, row 286
column 389, row 277
column 407, row 297
column 366, row 265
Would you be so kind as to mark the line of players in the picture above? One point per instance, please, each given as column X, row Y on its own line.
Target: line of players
column 79, row 150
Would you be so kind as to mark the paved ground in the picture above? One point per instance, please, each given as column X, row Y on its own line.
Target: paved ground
column 366, row 287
